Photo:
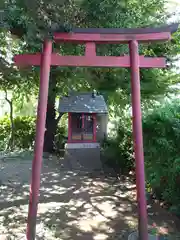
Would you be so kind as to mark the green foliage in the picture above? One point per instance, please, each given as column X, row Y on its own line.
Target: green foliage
column 4, row 132
column 162, row 152
column 61, row 133
column 29, row 22
column 60, row 139
column 25, row 108
column 49, row 15
column 118, row 148
column 24, row 132
column 161, row 127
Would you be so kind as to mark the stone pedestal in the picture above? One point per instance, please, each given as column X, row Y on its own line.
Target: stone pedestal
column 83, row 156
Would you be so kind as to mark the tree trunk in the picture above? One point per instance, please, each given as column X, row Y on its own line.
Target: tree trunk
column 10, row 144
column 51, row 121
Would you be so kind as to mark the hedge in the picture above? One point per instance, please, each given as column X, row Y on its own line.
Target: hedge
column 118, row 149
column 24, row 132
column 162, row 152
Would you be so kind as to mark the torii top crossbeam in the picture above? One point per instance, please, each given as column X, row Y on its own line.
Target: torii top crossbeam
column 92, row 36
column 116, row 35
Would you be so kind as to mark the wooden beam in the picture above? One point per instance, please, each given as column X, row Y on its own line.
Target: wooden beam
column 111, row 38
column 23, row 60
column 85, row 61
column 165, row 28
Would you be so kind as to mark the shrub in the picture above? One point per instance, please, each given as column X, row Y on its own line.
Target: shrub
column 162, row 152
column 24, row 132
column 60, row 139
column 118, row 150
column 4, row 132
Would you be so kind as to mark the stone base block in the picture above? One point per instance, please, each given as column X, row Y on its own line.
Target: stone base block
column 85, row 156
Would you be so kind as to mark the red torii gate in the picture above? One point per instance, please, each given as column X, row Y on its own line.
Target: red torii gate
column 90, row 37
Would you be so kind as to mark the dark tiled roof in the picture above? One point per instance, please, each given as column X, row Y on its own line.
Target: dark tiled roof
column 83, row 102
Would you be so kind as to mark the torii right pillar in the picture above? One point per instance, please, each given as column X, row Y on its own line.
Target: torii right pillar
column 138, row 138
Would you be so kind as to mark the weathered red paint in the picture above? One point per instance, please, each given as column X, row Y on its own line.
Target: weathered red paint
column 94, row 127
column 138, row 139
column 83, row 117
column 70, row 140
column 90, row 50
column 39, row 140
column 91, row 37
column 110, row 38
column 91, row 61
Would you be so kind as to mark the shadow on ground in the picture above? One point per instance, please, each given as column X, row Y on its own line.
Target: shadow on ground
column 73, row 205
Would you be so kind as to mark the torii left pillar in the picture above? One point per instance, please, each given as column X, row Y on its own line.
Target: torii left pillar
column 39, row 140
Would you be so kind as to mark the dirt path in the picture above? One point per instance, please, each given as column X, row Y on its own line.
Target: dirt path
column 73, row 205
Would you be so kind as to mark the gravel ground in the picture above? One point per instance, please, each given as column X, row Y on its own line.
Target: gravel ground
column 73, row 205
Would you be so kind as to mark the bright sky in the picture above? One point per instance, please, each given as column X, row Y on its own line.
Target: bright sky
column 173, row 6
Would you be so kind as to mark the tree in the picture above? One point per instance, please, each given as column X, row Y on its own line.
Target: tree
column 10, row 144
column 62, row 15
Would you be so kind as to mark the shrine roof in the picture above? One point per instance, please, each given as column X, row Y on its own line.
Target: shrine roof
column 83, row 103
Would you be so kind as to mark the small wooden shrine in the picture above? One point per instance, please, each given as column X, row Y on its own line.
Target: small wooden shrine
column 87, row 127
column 87, row 117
